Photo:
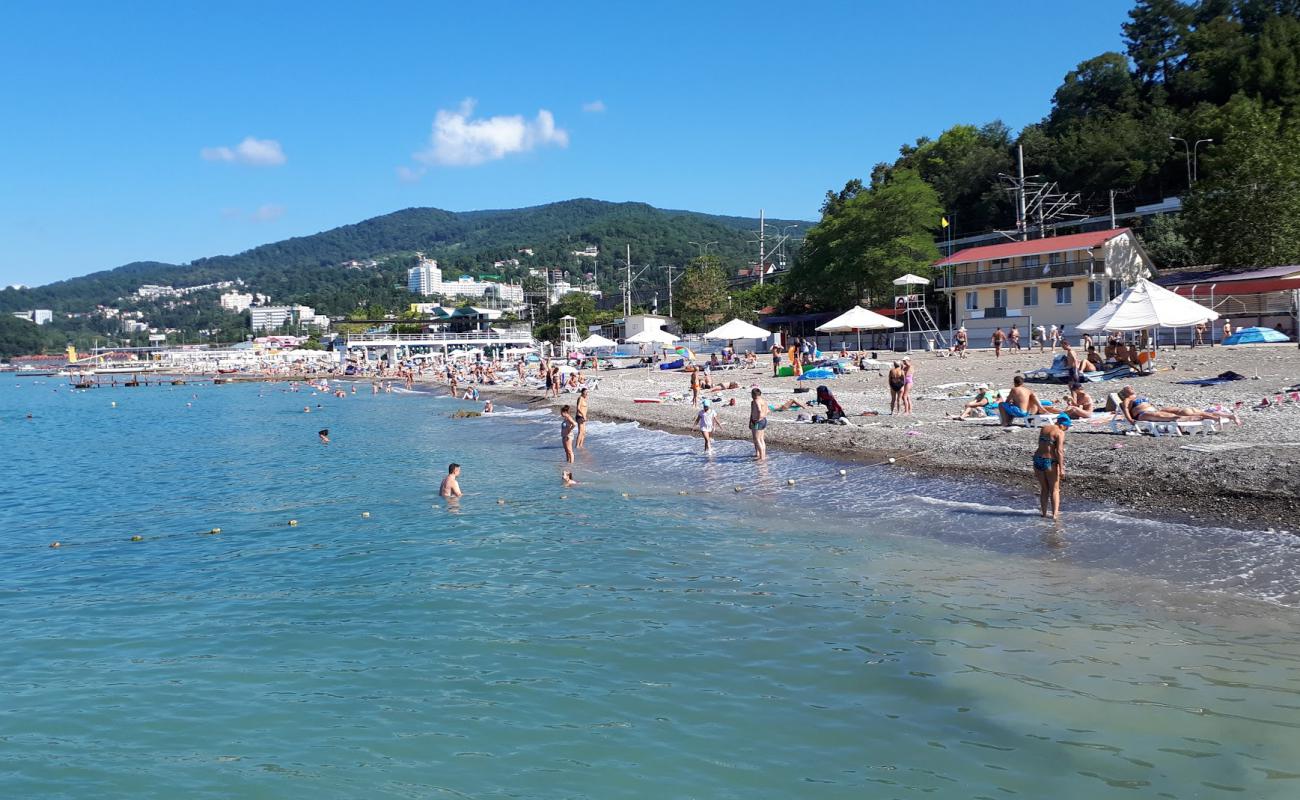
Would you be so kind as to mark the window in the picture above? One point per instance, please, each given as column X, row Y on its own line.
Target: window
column 972, row 301
column 1031, row 261
column 999, row 298
column 1064, row 295
column 1054, row 258
column 1094, row 292
column 1116, row 288
column 1031, row 295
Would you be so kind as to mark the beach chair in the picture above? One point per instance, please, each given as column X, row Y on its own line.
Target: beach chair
column 1172, row 428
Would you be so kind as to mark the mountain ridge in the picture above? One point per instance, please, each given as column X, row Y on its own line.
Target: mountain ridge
column 463, row 242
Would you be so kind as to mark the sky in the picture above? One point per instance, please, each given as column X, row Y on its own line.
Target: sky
column 136, row 131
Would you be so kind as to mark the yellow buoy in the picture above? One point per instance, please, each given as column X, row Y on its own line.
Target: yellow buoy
column 293, row 522
column 137, row 538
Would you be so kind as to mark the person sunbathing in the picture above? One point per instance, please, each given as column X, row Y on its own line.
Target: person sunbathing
column 786, row 406
column 1020, row 403
column 1078, row 403
column 978, row 407
column 1137, row 408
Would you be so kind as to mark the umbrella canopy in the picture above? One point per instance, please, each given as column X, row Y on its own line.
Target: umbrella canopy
column 565, row 369
column 859, row 319
column 738, row 329
column 596, row 340
column 1256, row 336
column 652, row 336
column 909, row 279
column 1147, row 305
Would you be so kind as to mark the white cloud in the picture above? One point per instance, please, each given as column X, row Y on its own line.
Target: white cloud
column 251, row 151
column 459, row 140
column 407, row 174
column 268, row 212
column 594, row 107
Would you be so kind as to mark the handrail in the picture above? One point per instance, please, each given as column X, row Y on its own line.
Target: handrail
column 1042, row 272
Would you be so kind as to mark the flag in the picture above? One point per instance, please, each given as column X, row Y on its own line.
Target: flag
column 943, row 222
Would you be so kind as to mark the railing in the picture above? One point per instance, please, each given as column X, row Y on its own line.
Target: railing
column 1042, row 272
column 441, row 336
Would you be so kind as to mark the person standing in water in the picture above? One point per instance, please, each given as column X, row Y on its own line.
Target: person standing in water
column 581, row 418
column 1049, row 465
column 706, row 420
column 450, row 484
column 758, row 423
column 566, row 432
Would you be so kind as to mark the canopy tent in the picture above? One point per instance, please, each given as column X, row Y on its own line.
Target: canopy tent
column 738, row 329
column 1147, row 305
column 859, row 319
column 1256, row 336
column 652, row 336
column 911, row 280
column 596, row 340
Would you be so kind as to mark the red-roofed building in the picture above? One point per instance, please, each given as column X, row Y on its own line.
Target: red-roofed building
column 1058, row 280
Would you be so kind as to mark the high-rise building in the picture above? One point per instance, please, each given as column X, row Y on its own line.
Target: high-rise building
column 423, row 277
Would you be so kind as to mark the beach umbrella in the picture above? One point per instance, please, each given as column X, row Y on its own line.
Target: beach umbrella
column 1147, row 305
column 652, row 336
column 859, row 319
column 1256, row 336
column 596, row 340
column 737, row 329
column 911, row 280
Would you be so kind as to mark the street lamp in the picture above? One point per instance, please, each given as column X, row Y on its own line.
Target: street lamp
column 1190, row 152
column 704, row 247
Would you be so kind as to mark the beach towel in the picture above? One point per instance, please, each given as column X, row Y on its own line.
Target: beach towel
column 1222, row 377
column 818, row 374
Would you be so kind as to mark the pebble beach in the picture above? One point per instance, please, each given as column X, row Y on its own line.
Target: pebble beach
column 1246, row 476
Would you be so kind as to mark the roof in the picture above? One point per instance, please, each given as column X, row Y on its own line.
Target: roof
column 1221, row 275
column 1222, row 288
column 1033, row 247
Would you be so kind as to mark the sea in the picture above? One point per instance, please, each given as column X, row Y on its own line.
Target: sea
column 238, row 610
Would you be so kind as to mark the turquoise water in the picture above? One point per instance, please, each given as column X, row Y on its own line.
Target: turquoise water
column 876, row 635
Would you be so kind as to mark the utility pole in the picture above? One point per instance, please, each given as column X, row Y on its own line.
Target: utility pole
column 762, row 255
column 627, row 291
column 1021, row 222
column 1112, row 209
column 670, row 290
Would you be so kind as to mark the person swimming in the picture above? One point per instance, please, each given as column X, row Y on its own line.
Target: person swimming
column 324, row 435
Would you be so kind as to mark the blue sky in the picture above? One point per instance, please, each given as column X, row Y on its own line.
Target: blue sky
column 170, row 131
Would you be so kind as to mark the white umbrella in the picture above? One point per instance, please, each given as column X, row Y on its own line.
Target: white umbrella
column 1147, row 305
column 596, row 340
column 652, row 336
column 859, row 319
column 910, row 279
column 737, row 329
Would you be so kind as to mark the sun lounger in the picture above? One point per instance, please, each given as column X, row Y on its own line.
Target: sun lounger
column 1172, row 428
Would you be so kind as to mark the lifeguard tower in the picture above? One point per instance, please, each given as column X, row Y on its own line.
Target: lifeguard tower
column 919, row 328
column 568, row 335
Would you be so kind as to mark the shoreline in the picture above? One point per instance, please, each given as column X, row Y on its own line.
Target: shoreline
column 1147, row 475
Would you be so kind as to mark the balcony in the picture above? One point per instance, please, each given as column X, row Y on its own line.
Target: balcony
column 1042, row 272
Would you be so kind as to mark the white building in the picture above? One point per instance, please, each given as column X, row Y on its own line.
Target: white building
column 425, row 279
column 561, row 288
column 236, row 302
column 269, row 318
column 41, row 316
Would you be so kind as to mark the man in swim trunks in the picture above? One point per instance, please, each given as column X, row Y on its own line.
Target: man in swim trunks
column 1049, row 464
column 1013, row 338
column 1020, row 402
column 998, row 338
column 776, row 360
column 758, row 423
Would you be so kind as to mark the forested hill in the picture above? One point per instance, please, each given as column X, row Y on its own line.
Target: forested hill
column 306, row 268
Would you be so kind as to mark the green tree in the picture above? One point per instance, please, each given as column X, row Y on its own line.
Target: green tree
column 1246, row 208
column 701, row 296
column 867, row 239
column 1167, row 242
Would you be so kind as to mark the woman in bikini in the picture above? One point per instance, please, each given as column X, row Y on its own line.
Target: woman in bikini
column 1140, row 409
column 1049, row 465
column 908, row 374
